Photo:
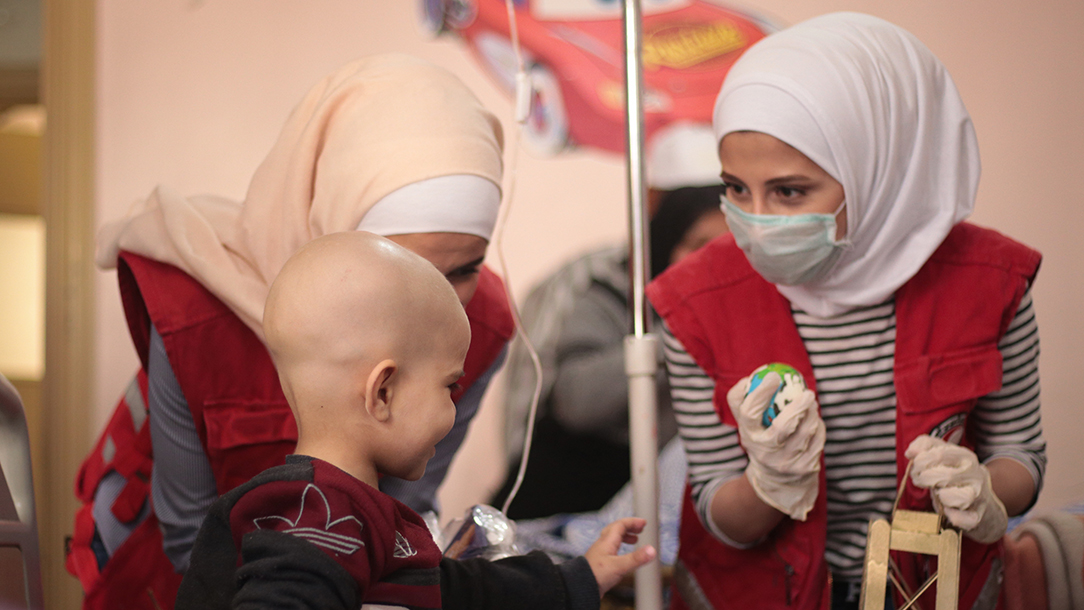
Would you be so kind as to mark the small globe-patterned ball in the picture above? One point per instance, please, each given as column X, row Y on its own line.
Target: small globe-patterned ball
column 788, row 391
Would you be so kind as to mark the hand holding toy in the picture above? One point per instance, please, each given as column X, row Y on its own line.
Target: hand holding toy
column 789, row 391
column 784, row 457
column 959, row 485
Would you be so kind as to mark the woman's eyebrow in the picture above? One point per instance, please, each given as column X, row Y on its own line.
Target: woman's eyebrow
column 788, row 179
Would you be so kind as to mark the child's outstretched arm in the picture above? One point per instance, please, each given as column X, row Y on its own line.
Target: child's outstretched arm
column 606, row 564
column 534, row 582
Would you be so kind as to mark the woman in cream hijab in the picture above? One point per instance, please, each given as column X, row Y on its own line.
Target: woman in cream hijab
column 850, row 164
column 388, row 144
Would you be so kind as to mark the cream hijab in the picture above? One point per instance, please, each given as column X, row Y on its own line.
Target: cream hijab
column 871, row 105
column 370, row 128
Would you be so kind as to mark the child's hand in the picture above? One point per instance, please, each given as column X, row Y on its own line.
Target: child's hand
column 606, row 564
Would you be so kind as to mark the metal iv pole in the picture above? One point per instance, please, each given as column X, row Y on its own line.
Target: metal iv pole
column 641, row 346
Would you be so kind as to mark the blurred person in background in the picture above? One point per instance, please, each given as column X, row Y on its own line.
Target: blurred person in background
column 577, row 319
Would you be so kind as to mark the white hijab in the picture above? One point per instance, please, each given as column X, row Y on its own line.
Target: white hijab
column 873, row 107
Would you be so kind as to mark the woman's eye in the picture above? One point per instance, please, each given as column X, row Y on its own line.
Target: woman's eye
column 789, row 193
column 733, row 189
column 455, row 387
column 462, row 272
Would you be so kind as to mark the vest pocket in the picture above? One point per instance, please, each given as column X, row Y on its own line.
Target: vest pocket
column 943, row 381
column 244, row 438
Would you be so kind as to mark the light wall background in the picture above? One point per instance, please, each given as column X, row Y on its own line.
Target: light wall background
column 192, row 93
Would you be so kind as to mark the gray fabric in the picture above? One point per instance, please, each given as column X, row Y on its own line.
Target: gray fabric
column 182, row 483
column 691, row 593
column 590, row 391
column 1070, row 534
column 577, row 319
column 1061, row 543
column 542, row 314
column 990, row 593
column 111, row 531
column 570, row 535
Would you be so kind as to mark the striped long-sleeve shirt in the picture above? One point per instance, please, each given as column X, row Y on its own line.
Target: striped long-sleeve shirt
column 852, row 357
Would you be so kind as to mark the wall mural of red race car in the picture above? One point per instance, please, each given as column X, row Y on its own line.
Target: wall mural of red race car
column 574, row 50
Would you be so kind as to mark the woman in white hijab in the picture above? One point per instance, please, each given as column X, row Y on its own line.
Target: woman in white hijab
column 850, row 165
column 388, row 144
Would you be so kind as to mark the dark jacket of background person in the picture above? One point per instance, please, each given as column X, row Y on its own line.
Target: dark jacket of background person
column 578, row 319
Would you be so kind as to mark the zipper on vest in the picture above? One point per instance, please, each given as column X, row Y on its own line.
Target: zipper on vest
column 788, row 573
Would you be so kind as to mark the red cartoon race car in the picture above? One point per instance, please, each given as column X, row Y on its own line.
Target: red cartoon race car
column 575, row 53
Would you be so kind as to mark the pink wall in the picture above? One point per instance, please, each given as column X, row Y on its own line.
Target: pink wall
column 192, row 93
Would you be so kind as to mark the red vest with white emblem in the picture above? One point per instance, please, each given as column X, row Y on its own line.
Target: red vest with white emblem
column 949, row 319
column 241, row 415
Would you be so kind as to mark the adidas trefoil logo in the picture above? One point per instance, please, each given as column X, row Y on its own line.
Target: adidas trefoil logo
column 403, row 549
column 319, row 513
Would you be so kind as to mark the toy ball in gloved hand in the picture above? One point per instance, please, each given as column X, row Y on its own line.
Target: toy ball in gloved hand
column 788, row 391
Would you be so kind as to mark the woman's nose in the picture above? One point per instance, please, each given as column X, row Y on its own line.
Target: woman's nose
column 760, row 206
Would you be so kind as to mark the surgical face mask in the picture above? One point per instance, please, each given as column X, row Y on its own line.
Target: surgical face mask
column 788, row 250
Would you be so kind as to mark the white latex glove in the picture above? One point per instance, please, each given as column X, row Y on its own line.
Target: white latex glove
column 784, row 458
column 960, row 487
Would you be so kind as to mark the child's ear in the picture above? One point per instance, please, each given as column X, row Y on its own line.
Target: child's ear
column 379, row 388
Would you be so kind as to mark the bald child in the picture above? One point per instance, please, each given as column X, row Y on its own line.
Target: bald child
column 369, row 340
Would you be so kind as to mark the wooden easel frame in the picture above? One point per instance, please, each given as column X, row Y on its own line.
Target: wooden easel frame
column 910, row 532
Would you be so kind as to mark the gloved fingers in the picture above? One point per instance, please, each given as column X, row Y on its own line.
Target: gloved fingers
column 736, row 394
column 776, row 438
column 946, row 475
column 927, row 446
column 922, row 444
column 960, row 488
column 796, row 454
column 802, row 452
column 963, row 519
column 946, row 465
column 946, row 455
column 992, row 518
column 759, row 396
column 798, row 423
column 812, row 435
column 927, row 451
column 958, row 497
column 754, row 404
column 792, row 416
column 794, row 442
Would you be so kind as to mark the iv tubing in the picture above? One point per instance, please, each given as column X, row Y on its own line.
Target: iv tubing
column 521, row 113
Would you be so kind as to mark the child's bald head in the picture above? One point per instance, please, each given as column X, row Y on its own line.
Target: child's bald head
column 347, row 301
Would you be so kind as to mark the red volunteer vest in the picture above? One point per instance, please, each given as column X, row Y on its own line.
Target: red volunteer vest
column 149, row 581
column 231, row 386
column 949, row 319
